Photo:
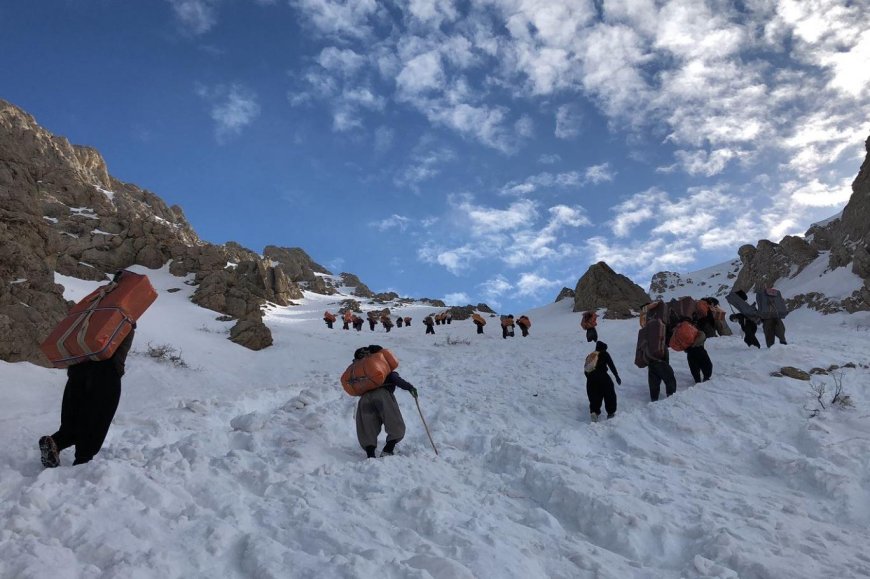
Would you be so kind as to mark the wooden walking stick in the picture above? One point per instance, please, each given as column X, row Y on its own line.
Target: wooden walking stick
column 426, row 426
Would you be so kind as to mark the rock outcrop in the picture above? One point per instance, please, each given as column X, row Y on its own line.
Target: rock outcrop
column 565, row 293
column 601, row 287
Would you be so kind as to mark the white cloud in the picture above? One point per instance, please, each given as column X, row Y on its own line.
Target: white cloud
column 487, row 220
column 421, row 74
column 392, row 223
column 569, row 120
column 233, row 108
column 532, row 284
column 550, row 159
column 495, row 287
column 599, row 173
column 818, row 194
column 197, row 16
column 338, row 17
column 456, row 299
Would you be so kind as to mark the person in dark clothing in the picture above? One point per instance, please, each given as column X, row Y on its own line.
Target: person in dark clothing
column 699, row 361
column 659, row 371
column 387, row 323
column 507, row 326
column 774, row 329
column 90, row 399
column 524, row 323
column 372, row 323
column 399, row 322
column 378, row 408
column 407, row 321
column 591, row 335
column 357, row 323
column 329, row 318
column 707, row 323
column 748, row 325
column 430, row 324
column 599, row 386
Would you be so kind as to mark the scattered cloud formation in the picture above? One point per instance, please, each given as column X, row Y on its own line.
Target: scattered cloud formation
column 232, row 108
column 195, row 16
column 456, row 298
column 392, row 223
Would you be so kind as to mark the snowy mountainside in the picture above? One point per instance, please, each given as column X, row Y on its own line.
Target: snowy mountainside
column 715, row 281
column 245, row 464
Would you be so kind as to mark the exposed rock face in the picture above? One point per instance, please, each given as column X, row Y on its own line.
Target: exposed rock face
column 601, row 287
column 297, row 264
column 362, row 290
column 565, row 293
column 433, row 303
column 846, row 238
column 481, row 307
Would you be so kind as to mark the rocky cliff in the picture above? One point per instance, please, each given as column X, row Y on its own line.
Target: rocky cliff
column 845, row 239
column 62, row 212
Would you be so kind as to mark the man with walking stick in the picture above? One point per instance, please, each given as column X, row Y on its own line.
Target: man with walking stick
column 373, row 378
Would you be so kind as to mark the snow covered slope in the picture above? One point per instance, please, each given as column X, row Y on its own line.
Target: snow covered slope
column 245, row 464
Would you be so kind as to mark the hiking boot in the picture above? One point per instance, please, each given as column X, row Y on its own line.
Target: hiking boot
column 49, row 454
column 386, row 453
column 611, row 415
column 593, row 417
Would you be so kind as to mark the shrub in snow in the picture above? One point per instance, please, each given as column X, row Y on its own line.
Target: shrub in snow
column 166, row 353
column 824, row 400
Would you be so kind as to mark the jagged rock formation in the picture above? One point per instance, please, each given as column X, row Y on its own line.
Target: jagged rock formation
column 601, row 287
column 361, row 289
column 565, row 293
column 61, row 211
column 847, row 239
column 481, row 307
column 252, row 334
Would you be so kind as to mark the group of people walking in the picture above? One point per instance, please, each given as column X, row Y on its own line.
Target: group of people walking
column 682, row 325
column 93, row 387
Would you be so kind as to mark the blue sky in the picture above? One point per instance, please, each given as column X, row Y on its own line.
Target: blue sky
column 485, row 151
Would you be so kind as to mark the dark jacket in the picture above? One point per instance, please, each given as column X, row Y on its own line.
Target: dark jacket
column 118, row 359
column 604, row 362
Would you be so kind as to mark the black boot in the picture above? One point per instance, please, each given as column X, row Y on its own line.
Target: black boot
column 370, row 451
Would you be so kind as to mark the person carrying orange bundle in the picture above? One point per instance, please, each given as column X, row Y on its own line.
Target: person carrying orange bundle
column 507, row 326
column 479, row 322
column 329, row 318
column 588, row 323
column 373, row 378
column 347, row 318
column 524, row 323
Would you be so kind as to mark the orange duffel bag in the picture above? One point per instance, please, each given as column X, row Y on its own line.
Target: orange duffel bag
column 95, row 327
column 479, row 319
column 368, row 373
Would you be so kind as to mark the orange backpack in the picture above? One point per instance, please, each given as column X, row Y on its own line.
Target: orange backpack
column 369, row 373
column 590, row 320
column 329, row 316
column 702, row 307
column 684, row 336
column 479, row 319
column 525, row 321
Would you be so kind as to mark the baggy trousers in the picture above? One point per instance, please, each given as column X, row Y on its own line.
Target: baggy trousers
column 90, row 399
column 659, row 371
column 378, row 408
column 600, row 388
column 700, row 364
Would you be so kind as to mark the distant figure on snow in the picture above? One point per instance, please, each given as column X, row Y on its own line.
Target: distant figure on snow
column 357, row 323
column 430, row 324
column 399, row 322
column 347, row 318
column 748, row 325
column 329, row 318
column 588, row 323
column 524, row 323
column 479, row 322
column 507, row 326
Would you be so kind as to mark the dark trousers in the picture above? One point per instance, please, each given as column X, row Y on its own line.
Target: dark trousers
column 773, row 329
column 329, row 324
column 430, row 329
column 598, row 389
column 525, row 331
column 479, row 328
column 372, row 325
column 591, row 335
column 700, row 364
column 90, row 399
column 345, row 326
column 659, row 371
column 749, row 329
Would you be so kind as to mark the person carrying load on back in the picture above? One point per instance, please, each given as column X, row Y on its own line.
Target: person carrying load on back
column 399, row 322
column 704, row 317
column 599, row 386
column 478, row 321
column 430, row 324
column 448, row 317
column 357, row 323
column 524, row 323
column 329, row 318
column 407, row 321
column 687, row 338
column 347, row 318
column 652, row 350
column 373, row 378
column 373, row 320
column 588, row 323
column 771, row 309
column 94, row 371
column 748, row 324
column 507, row 326
column 387, row 322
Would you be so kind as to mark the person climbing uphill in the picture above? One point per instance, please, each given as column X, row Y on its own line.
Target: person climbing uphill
column 373, row 378
column 599, row 386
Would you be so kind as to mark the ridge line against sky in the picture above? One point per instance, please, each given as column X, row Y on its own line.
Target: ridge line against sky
column 487, row 151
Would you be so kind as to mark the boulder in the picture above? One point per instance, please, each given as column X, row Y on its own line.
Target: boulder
column 565, row 293
column 252, row 334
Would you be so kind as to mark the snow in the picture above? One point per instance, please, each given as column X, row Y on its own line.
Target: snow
column 107, row 193
column 245, row 464
column 50, row 219
column 84, row 212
